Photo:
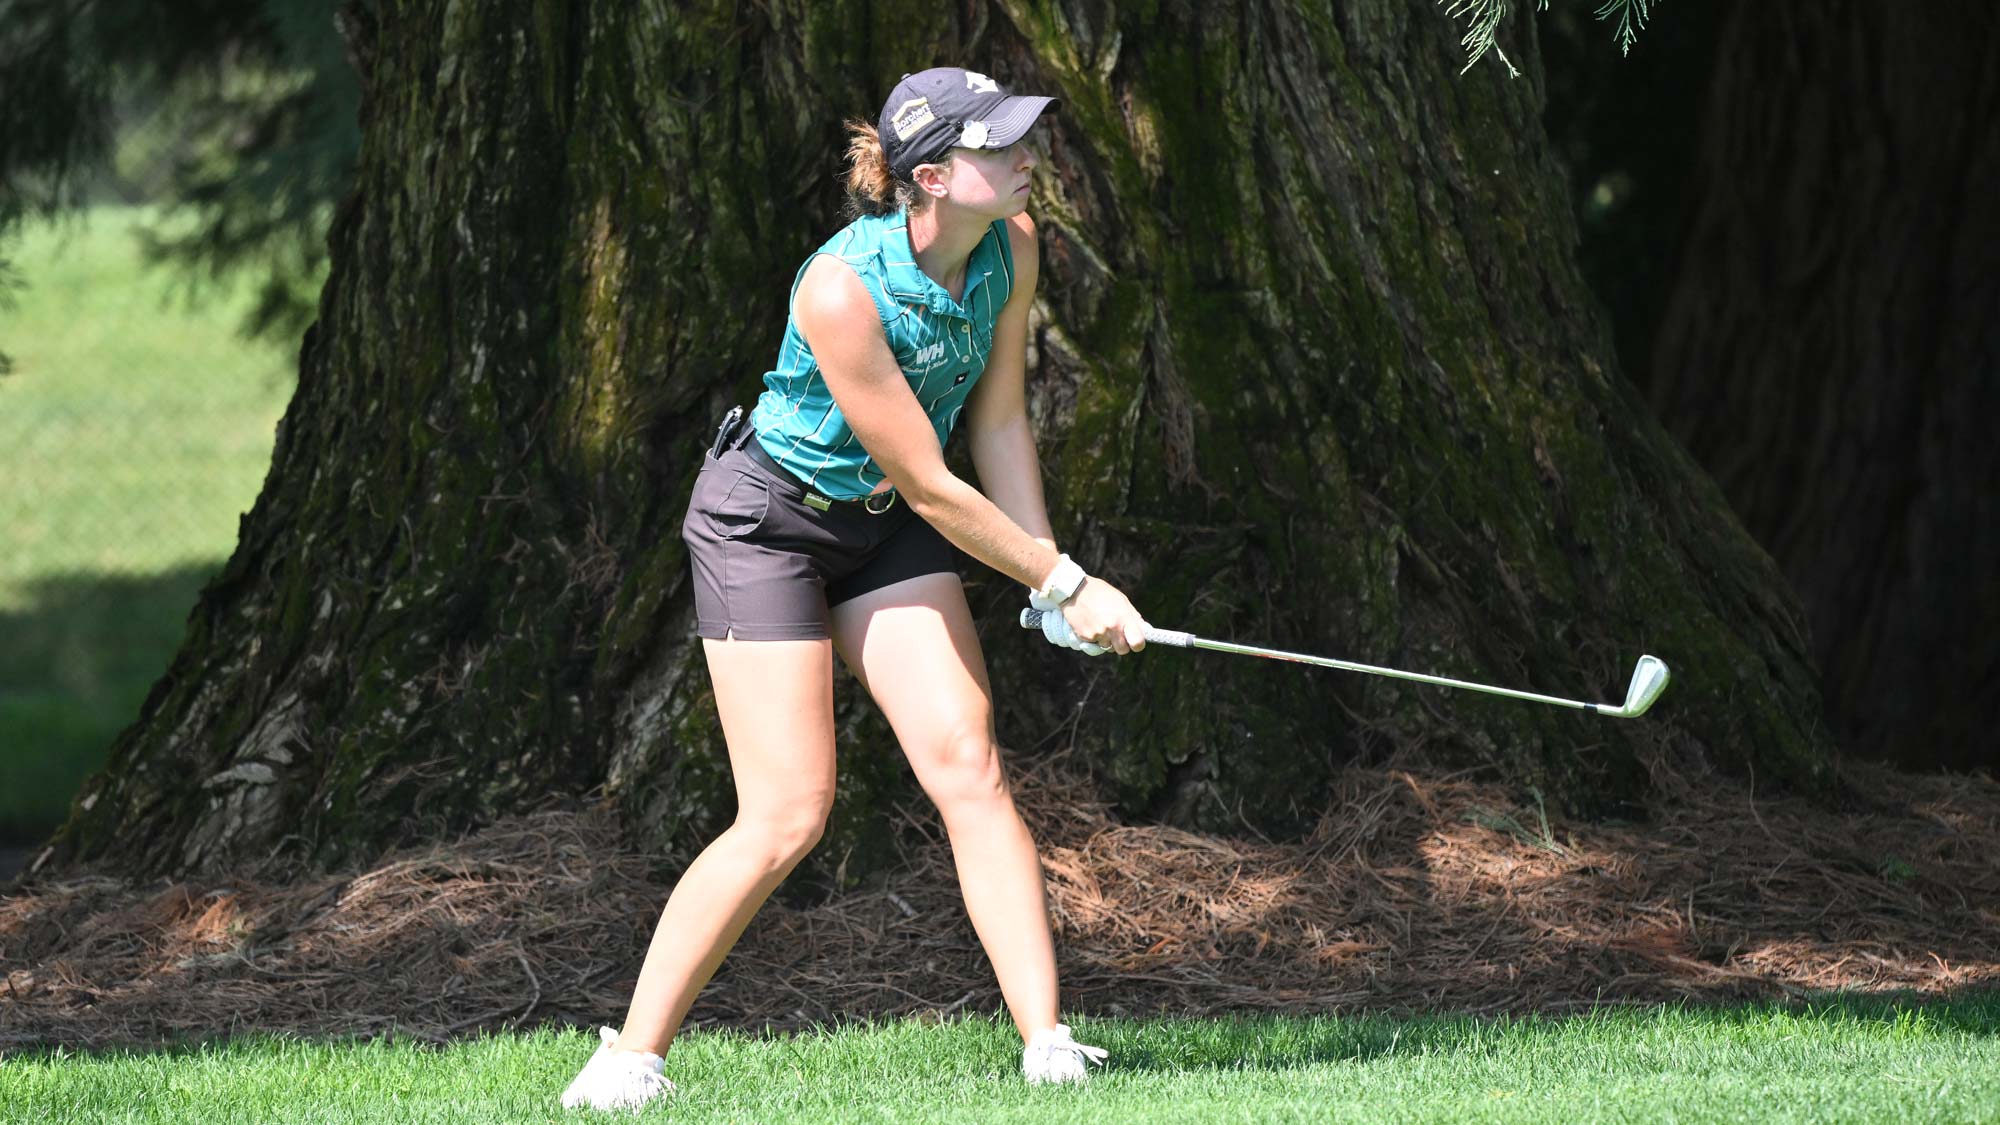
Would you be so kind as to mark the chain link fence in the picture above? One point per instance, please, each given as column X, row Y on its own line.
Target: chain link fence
column 135, row 429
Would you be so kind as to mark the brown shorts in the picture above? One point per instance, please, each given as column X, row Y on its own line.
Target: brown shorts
column 768, row 566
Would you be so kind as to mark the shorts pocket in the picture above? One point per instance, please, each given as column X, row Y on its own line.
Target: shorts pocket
column 741, row 508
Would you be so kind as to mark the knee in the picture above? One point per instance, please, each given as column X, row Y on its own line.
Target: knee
column 964, row 768
column 782, row 838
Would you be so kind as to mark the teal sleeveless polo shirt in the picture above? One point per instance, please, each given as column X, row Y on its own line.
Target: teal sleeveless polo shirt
column 940, row 344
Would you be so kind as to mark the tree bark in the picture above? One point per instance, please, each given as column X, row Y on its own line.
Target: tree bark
column 1312, row 366
column 1831, row 348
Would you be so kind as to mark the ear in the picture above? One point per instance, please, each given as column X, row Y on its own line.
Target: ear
column 930, row 179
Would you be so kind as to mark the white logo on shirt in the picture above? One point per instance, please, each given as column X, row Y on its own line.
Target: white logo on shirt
column 977, row 81
column 927, row 358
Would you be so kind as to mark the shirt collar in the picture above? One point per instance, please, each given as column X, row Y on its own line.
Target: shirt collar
column 908, row 282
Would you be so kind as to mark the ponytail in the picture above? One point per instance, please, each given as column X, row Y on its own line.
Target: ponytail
column 872, row 189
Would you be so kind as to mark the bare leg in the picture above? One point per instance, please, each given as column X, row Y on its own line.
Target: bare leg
column 913, row 646
column 776, row 703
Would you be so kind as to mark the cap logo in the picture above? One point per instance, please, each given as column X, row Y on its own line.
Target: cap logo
column 911, row 116
column 973, row 135
column 977, row 81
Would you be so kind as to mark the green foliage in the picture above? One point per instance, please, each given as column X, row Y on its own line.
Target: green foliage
column 1895, row 868
column 1484, row 16
column 1542, row 837
column 252, row 110
column 267, row 144
column 1631, row 16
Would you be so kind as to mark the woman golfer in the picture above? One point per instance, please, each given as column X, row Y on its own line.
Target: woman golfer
column 825, row 520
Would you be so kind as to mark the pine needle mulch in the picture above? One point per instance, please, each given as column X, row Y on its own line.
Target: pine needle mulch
column 1415, row 893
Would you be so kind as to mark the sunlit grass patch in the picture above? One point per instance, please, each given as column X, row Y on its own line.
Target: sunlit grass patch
column 135, row 430
column 1837, row 1059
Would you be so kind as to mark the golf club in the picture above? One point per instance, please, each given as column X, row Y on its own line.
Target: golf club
column 1649, row 679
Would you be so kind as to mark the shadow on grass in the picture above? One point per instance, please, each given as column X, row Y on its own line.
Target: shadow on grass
column 1288, row 1043
column 75, row 664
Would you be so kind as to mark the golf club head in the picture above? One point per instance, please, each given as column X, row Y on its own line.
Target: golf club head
column 1649, row 679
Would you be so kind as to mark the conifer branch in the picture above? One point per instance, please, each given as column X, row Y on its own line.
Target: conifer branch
column 1631, row 17
column 1484, row 18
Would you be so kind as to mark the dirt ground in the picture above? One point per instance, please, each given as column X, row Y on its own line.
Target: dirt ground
column 1416, row 893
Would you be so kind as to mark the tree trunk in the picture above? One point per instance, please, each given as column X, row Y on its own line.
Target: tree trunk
column 1831, row 349
column 1312, row 367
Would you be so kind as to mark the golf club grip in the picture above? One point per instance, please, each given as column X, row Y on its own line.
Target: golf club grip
column 1031, row 618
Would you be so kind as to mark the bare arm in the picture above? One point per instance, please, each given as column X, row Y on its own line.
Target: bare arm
column 996, row 414
column 841, row 325
column 844, row 330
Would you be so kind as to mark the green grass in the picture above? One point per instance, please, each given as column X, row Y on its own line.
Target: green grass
column 134, row 431
column 1837, row 1059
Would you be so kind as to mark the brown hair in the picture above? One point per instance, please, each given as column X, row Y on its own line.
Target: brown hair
column 872, row 189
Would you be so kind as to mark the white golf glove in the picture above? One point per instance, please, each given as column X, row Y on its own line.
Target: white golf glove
column 1057, row 628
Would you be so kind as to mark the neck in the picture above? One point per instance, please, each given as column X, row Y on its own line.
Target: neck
column 942, row 238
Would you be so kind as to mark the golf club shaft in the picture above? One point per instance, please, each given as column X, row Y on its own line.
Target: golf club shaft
column 1032, row 619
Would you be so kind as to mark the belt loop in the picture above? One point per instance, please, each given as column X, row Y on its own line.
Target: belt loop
column 731, row 435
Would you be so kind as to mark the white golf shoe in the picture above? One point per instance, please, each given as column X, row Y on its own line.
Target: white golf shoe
column 617, row 1079
column 1052, row 1056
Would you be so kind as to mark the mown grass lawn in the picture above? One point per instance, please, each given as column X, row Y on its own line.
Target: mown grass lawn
column 134, row 430
column 1834, row 1059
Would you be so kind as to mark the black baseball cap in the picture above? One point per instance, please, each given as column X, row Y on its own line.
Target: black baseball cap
column 932, row 111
